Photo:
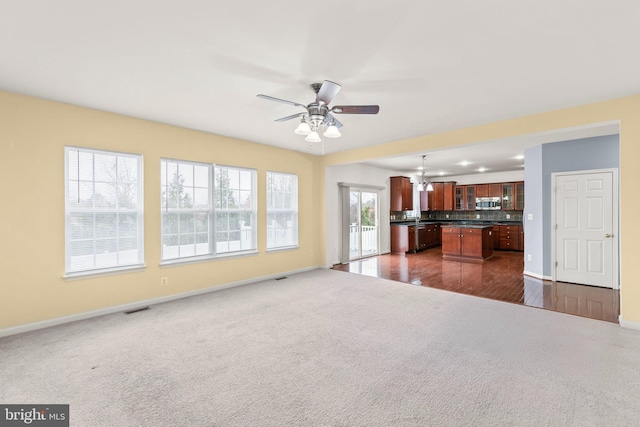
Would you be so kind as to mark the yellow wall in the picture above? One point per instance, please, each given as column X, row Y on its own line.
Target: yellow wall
column 33, row 134
column 625, row 110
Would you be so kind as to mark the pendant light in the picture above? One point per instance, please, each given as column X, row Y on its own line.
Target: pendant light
column 424, row 184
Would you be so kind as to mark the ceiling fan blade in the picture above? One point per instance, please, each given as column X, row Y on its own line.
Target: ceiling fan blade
column 284, row 101
column 356, row 109
column 293, row 116
column 327, row 91
column 331, row 119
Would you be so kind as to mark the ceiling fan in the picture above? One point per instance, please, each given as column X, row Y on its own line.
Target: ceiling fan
column 319, row 113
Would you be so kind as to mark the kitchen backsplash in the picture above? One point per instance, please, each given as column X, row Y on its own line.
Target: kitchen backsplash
column 473, row 215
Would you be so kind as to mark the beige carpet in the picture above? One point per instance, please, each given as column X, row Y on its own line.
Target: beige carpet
column 329, row 348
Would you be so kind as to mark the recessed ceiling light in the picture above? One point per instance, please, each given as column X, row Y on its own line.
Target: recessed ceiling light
column 441, row 173
column 519, row 157
column 481, row 169
column 464, row 163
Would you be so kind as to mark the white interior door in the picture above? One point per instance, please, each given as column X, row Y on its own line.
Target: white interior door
column 584, row 234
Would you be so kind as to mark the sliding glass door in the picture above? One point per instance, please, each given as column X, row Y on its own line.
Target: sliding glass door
column 363, row 224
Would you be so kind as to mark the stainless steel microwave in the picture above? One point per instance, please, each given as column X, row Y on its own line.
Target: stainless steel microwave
column 488, row 203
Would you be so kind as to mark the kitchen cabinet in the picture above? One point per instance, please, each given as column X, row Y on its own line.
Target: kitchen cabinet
column 432, row 235
column 426, row 201
column 489, row 190
column 403, row 239
column 513, row 196
column 511, row 237
column 448, row 195
column 496, row 237
column 401, row 194
column 465, row 198
column 472, row 244
column 423, row 239
column 413, row 238
column 443, row 196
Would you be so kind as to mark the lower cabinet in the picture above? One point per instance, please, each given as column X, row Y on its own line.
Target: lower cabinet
column 511, row 238
column 467, row 244
column 413, row 238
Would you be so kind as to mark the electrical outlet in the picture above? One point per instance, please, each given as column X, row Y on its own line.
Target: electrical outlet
column 530, row 217
column 529, row 257
column 508, row 216
column 164, row 281
column 477, row 216
column 446, row 215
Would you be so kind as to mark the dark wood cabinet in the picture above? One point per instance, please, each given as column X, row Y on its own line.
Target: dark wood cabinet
column 403, row 239
column 443, row 196
column 413, row 238
column 465, row 198
column 401, row 194
column 467, row 244
column 513, row 196
column 511, row 237
column 438, row 196
column 423, row 239
column 426, row 201
column 451, row 241
column 489, row 190
column 449, row 195
column 496, row 237
column 519, row 196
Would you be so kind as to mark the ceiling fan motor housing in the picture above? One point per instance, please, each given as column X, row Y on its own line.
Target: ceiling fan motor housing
column 317, row 114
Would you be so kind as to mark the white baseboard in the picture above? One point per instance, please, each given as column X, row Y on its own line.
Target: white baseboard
column 628, row 324
column 537, row 276
column 138, row 304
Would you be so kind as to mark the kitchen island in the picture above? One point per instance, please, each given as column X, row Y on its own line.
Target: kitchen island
column 470, row 243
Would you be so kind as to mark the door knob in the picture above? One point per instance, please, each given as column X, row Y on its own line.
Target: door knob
column 607, row 235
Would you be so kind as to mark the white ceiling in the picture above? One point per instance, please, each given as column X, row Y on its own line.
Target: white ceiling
column 432, row 66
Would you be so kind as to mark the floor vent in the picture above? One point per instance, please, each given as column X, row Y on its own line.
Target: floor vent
column 281, row 278
column 136, row 310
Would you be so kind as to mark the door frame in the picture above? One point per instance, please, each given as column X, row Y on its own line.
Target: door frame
column 345, row 193
column 615, row 214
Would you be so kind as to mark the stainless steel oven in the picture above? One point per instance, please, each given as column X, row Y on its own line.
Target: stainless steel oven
column 488, row 203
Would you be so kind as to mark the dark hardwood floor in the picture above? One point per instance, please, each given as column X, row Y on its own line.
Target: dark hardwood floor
column 499, row 278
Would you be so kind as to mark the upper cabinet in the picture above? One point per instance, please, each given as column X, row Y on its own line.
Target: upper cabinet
column 489, row 190
column 465, row 197
column 513, row 196
column 426, row 201
column 443, row 196
column 401, row 194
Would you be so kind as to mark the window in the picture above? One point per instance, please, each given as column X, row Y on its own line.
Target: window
column 186, row 209
column 282, row 210
column 103, row 211
column 234, row 206
column 207, row 210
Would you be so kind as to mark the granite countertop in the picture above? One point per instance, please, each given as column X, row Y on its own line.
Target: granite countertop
column 469, row 225
column 454, row 223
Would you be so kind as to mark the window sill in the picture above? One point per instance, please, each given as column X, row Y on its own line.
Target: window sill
column 207, row 258
column 283, row 248
column 104, row 272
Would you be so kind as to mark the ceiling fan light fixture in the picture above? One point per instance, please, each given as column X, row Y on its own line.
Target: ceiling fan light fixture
column 332, row 132
column 313, row 137
column 303, row 128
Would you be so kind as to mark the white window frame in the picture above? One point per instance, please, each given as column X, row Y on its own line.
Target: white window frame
column 101, row 260
column 281, row 236
column 192, row 193
column 215, row 209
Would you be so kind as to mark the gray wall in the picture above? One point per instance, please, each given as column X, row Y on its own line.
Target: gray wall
column 533, row 196
column 581, row 154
